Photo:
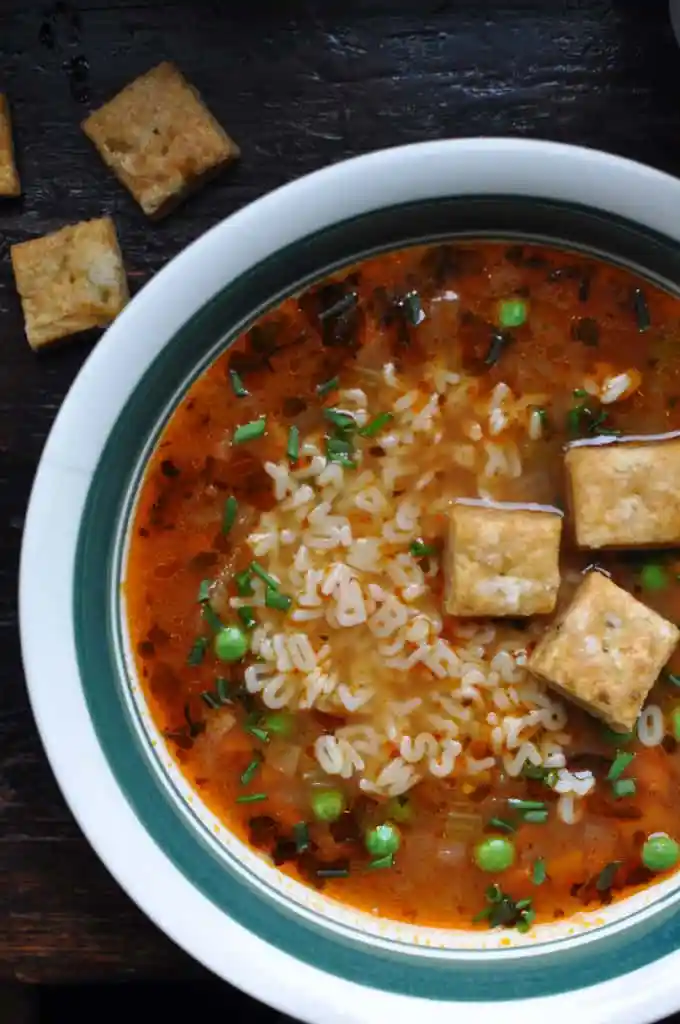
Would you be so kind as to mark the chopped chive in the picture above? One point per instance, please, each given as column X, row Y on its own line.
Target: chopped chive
column 502, row 824
column 342, row 460
column 229, row 514
column 413, row 308
column 275, row 599
column 293, row 448
column 343, row 420
column 606, row 877
column 250, row 431
column 619, row 765
column 301, row 836
column 499, row 341
column 641, row 308
column 376, row 424
column 222, row 690
column 382, row 862
column 527, row 805
column 240, row 390
column 248, row 774
column 209, row 699
column 673, row 679
column 535, row 817
column 339, row 446
column 611, row 736
column 580, row 393
column 247, row 616
column 204, row 591
column 624, row 787
column 332, row 873
column 264, row 575
column 527, row 918
column 343, row 305
column 419, row 549
column 328, row 385
column 654, row 577
column 483, row 915
column 523, row 904
column 494, row 894
column 195, row 728
column 260, row 734
column 197, row 652
column 251, row 798
column 539, row 873
column 676, row 723
column 211, row 617
column 546, row 775
column 244, row 586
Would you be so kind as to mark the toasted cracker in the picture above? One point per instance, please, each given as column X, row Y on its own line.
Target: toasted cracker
column 502, row 560
column 159, row 139
column 70, row 281
column 9, row 178
column 605, row 652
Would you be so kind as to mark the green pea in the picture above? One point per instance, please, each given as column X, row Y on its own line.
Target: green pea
column 383, row 840
column 497, row 853
column 230, row 644
column 654, row 577
column 328, row 804
column 400, row 809
column 660, row 852
column 512, row 312
column 279, row 723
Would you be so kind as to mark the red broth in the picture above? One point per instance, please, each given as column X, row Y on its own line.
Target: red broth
column 410, row 345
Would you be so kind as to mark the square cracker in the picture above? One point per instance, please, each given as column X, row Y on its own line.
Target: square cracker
column 159, row 139
column 70, row 281
column 605, row 652
column 502, row 560
column 625, row 494
column 9, row 179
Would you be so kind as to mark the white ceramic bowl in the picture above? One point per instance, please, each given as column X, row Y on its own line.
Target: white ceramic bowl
column 219, row 901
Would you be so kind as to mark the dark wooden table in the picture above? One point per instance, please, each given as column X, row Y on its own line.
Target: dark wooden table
column 299, row 83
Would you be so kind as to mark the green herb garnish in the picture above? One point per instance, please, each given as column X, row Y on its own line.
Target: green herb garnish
column 229, row 514
column 619, row 765
column 251, row 798
column 275, row 599
column 606, row 877
column 256, row 568
column 211, row 617
column 673, row 679
column 502, row 825
column 293, row 447
column 237, row 384
column 250, row 431
column 197, row 652
column 419, row 549
column 342, row 459
column 624, row 787
column 527, row 805
column 301, row 836
column 244, row 586
column 329, row 385
column 339, row 419
column 535, row 817
column 654, row 577
column 539, row 873
column 512, row 312
column 499, row 342
column 247, row 616
column 204, row 591
column 250, row 771
column 412, row 308
column 332, row 873
column 376, row 424
column 641, row 308
column 210, row 700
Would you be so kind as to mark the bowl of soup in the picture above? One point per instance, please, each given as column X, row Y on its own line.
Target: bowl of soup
column 350, row 590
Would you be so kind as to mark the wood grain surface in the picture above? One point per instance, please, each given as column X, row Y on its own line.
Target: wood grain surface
column 298, row 84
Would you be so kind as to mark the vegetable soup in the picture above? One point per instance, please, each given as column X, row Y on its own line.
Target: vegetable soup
column 403, row 584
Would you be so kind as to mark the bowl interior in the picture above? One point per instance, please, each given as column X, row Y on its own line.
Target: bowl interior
column 386, row 955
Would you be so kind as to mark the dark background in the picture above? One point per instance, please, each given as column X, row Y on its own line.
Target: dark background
column 298, row 85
